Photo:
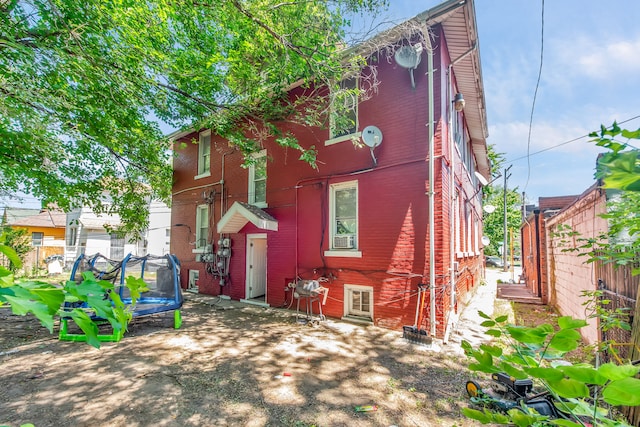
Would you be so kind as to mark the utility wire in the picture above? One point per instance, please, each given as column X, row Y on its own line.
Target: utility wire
column 567, row 142
column 535, row 95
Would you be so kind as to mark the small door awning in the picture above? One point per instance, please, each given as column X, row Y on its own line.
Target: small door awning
column 241, row 213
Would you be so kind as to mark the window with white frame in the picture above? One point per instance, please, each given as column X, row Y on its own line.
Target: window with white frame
column 37, row 238
column 358, row 302
column 344, row 215
column 72, row 236
column 204, row 154
column 343, row 118
column 117, row 245
column 202, row 226
column 476, row 235
column 469, row 229
column 457, row 224
column 258, row 180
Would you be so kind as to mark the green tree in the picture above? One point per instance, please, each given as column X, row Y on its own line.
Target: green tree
column 494, row 195
column 619, row 169
column 83, row 84
column 494, row 221
column 18, row 240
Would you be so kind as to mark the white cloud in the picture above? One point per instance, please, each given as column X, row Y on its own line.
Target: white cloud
column 587, row 57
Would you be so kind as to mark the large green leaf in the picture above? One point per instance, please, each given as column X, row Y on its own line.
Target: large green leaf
column 565, row 340
column 521, row 419
column 568, row 322
column 512, row 371
column 50, row 295
column 529, row 335
column 615, row 372
column 136, row 286
column 22, row 306
column 547, row 374
column 474, row 414
column 625, row 391
column 569, row 388
column 88, row 326
column 493, row 350
column 587, row 375
column 11, row 255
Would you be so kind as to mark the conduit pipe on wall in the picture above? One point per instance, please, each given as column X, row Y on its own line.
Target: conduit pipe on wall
column 452, row 192
column 430, row 124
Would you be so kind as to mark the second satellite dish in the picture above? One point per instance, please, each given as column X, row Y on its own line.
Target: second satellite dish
column 409, row 57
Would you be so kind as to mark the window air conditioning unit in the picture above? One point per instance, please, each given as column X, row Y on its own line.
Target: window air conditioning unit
column 344, row 242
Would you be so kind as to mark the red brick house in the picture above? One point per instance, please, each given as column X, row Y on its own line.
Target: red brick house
column 369, row 221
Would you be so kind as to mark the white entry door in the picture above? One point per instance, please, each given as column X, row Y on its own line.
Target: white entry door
column 256, row 266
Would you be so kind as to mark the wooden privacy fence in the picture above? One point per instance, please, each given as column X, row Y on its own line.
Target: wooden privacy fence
column 620, row 287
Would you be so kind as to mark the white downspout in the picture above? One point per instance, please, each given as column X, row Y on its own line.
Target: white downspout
column 452, row 197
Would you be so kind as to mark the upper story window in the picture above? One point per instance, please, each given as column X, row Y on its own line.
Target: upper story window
column 204, row 154
column 72, row 236
column 202, row 226
column 37, row 238
column 343, row 117
column 258, row 180
column 343, row 204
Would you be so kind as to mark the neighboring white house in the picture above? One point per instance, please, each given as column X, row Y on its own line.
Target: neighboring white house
column 86, row 234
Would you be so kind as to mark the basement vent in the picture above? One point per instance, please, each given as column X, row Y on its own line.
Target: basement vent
column 344, row 242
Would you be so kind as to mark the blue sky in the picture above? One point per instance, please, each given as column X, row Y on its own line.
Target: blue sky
column 590, row 76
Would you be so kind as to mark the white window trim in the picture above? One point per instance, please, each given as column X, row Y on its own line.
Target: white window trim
column 251, row 196
column 207, row 171
column 347, row 302
column 458, row 231
column 347, row 253
column 200, row 208
column 343, row 138
column 204, row 175
column 350, row 136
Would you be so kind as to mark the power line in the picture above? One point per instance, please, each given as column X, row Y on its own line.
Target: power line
column 535, row 95
column 565, row 143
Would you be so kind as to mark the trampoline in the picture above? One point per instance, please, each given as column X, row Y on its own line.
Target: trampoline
column 160, row 274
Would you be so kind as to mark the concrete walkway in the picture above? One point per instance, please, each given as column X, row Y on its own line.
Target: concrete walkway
column 484, row 299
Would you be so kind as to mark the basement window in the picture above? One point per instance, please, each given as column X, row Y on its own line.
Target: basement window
column 358, row 303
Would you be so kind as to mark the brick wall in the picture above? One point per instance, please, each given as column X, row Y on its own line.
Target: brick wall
column 568, row 273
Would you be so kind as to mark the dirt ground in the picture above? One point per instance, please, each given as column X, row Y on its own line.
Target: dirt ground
column 242, row 366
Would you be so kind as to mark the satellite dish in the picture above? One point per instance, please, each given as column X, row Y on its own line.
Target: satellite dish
column 481, row 179
column 485, row 241
column 489, row 208
column 371, row 136
column 409, row 57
